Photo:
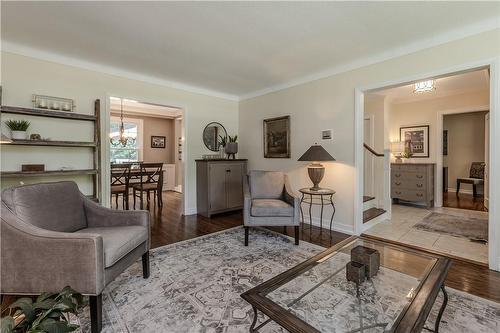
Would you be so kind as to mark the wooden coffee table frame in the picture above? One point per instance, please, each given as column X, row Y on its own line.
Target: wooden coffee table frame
column 411, row 319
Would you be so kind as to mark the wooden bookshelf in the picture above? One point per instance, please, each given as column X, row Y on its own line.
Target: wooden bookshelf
column 45, row 143
column 21, row 174
column 47, row 113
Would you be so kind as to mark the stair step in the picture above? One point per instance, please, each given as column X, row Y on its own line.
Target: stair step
column 367, row 198
column 372, row 213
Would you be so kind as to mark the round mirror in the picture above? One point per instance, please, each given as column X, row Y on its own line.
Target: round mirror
column 212, row 135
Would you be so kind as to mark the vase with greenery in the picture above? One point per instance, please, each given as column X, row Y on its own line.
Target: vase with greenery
column 48, row 313
column 18, row 128
column 232, row 145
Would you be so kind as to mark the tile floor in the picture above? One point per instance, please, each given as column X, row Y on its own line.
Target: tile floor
column 399, row 228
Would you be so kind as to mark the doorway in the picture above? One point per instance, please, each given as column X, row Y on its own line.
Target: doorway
column 146, row 139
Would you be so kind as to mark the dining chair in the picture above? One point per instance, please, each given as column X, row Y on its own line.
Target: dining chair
column 120, row 179
column 151, row 180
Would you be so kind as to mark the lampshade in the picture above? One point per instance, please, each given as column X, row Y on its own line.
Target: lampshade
column 316, row 153
column 397, row 147
column 5, row 139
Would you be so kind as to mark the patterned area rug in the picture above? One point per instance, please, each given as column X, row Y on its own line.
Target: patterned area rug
column 465, row 227
column 195, row 286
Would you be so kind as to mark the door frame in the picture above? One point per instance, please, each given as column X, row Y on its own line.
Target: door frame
column 494, row 197
column 438, row 181
column 105, row 145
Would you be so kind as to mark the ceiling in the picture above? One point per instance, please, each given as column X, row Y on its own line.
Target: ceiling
column 469, row 82
column 132, row 107
column 235, row 49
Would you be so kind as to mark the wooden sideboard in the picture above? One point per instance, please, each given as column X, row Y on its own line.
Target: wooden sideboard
column 219, row 185
column 413, row 182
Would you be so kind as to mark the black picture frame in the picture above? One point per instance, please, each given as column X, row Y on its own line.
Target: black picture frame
column 276, row 133
column 422, row 146
column 158, row 141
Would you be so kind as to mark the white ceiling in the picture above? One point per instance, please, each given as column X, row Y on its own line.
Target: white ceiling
column 475, row 81
column 235, row 49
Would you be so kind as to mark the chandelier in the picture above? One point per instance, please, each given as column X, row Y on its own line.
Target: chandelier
column 122, row 139
column 424, row 86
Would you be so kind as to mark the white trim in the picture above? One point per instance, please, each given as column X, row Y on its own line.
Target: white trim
column 190, row 211
column 371, row 119
column 336, row 226
column 494, row 107
column 438, row 180
column 80, row 63
column 435, row 40
column 105, row 147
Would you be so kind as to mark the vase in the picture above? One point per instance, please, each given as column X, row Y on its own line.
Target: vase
column 231, row 148
column 19, row 135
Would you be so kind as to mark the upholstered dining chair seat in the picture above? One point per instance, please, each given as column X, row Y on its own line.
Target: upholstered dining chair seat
column 146, row 187
column 271, row 207
column 118, row 241
column 118, row 188
column 472, row 181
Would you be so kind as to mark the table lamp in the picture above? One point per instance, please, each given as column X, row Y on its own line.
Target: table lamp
column 316, row 170
column 397, row 148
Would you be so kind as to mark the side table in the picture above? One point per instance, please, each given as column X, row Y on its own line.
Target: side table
column 320, row 198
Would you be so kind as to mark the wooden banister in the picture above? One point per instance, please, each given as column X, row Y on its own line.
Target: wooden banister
column 371, row 150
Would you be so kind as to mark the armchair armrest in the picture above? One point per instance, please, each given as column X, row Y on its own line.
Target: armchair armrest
column 99, row 216
column 293, row 199
column 247, row 200
column 35, row 260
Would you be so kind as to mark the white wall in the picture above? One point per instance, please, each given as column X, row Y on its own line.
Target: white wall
column 23, row 76
column 425, row 113
column 329, row 103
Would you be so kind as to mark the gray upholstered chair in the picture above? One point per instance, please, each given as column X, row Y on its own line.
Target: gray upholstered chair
column 53, row 236
column 269, row 201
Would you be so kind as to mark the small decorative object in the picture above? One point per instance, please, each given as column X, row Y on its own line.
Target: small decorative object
column 355, row 272
column 397, row 149
column 32, row 167
column 53, row 103
column 416, row 140
column 326, row 134
column 157, row 141
column 277, row 137
column 368, row 257
column 232, row 147
column 48, row 313
column 316, row 170
column 35, row 137
column 18, row 128
column 211, row 156
column 212, row 134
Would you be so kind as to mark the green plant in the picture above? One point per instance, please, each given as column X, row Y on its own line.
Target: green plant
column 233, row 138
column 47, row 314
column 17, row 125
column 222, row 141
column 406, row 154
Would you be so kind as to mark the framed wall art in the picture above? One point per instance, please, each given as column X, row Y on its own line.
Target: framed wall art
column 277, row 137
column 416, row 140
column 157, row 141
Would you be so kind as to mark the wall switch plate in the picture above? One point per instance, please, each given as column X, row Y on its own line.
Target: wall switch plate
column 326, row 134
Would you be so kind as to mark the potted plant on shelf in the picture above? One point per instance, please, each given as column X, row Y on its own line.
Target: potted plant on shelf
column 18, row 128
column 232, row 146
column 49, row 312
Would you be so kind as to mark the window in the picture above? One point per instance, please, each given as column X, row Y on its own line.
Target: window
column 132, row 152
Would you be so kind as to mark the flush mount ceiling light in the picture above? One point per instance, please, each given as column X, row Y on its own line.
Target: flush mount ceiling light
column 424, row 86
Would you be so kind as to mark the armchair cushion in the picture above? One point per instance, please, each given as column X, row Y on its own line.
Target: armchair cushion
column 118, row 241
column 266, row 184
column 52, row 206
column 271, row 207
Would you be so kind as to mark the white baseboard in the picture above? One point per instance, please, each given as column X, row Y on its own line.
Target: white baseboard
column 336, row 226
column 190, row 211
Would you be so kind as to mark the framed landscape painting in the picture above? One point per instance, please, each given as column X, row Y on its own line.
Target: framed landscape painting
column 416, row 139
column 277, row 137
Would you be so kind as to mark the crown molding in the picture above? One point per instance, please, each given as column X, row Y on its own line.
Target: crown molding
column 439, row 39
column 27, row 51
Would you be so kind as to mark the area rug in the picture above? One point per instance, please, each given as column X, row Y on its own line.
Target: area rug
column 465, row 227
column 195, row 286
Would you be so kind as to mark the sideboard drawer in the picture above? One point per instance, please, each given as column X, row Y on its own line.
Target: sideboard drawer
column 406, row 183
column 409, row 195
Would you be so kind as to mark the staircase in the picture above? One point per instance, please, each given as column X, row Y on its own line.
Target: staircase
column 369, row 210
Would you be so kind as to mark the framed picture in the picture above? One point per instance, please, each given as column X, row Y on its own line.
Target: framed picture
column 277, row 137
column 157, row 141
column 416, row 139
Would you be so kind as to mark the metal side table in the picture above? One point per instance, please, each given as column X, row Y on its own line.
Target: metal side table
column 319, row 198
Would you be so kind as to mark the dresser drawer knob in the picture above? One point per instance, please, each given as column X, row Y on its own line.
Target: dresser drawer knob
column 420, row 176
column 420, row 185
column 398, row 183
column 397, row 175
column 420, row 195
column 397, row 192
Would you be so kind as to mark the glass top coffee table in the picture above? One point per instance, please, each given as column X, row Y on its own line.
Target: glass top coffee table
column 326, row 292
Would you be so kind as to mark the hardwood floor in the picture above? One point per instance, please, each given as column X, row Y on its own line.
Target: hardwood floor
column 169, row 226
column 463, row 201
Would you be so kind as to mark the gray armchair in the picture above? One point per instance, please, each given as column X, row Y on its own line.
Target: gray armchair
column 269, row 201
column 53, row 236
